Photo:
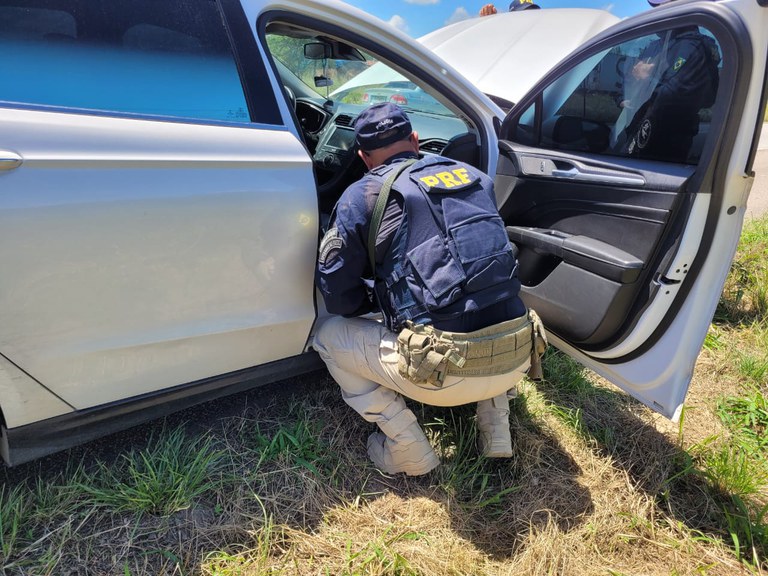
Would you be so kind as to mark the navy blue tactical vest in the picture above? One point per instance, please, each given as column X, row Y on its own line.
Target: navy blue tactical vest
column 451, row 254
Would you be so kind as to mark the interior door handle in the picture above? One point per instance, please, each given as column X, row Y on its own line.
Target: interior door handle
column 9, row 160
column 598, row 177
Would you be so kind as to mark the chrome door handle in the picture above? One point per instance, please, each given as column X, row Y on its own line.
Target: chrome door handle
column 598, row 177
column 9, row 160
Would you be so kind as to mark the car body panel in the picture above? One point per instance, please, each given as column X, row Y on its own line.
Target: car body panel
column 24, row 399
column 506, row 54
column 147, row 258
column 27, row 442
column 154, row 254
column 406, row 95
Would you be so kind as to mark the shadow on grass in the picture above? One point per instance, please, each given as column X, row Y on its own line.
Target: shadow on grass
column 497, row 503
column 60, row 527
column 613, row 425
column 309, row 463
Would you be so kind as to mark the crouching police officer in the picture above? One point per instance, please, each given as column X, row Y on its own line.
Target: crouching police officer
column 433, row 257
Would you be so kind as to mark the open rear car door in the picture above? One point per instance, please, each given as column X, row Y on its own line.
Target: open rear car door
column 623, row 178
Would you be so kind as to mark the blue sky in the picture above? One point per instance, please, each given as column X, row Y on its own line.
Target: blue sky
column 417, row 17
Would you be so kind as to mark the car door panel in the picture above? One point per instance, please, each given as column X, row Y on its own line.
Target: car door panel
column 578, row 250
column 158, row 220
column 623, row 256
column 595, row 235
column 149, row 254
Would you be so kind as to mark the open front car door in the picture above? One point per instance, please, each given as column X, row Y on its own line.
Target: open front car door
column 623, row 178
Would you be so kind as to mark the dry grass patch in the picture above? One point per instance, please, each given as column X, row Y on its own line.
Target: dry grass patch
column 589, row 492
column 583, row 501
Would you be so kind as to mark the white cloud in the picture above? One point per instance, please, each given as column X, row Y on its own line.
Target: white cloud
column 458, row 15
column 422, row 1
column 609, row 7
column 399, row 22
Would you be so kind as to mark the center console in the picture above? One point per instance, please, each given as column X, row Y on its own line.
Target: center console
column 335, row 160
column 336, row 144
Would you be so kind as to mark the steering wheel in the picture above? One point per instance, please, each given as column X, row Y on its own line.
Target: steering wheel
column 338, row 176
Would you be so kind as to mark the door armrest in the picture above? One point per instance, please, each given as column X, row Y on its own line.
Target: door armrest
column 580, row 251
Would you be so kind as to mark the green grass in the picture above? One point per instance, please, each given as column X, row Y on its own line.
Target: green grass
column 379, row 557
column 14, row 513
column 736, row 464
column 296, row 442
column 164, row 478
column 754, row 369
column 733, row 471
column 746, row 416
column 740, row 467
column 745, row 296
column 713, row 340
column 467, row 477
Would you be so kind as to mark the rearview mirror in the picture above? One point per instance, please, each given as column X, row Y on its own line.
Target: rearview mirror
column 329, row 49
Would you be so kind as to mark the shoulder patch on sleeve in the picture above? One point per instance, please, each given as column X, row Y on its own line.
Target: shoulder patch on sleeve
column 332, row 242
column 679, row 63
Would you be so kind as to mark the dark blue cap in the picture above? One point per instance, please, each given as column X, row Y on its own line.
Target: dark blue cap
column 516, row 5
column 381, row 125
column 655, row 3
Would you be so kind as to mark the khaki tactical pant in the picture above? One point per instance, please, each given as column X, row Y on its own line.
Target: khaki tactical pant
column 362, row 356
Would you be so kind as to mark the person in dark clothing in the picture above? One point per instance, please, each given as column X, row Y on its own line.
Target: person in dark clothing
column 514, row 6
column 673, row 78
column 434, row 259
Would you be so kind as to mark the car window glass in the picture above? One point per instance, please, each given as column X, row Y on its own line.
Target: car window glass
column 289, row 52
column 351, row 81
column 329, row 81
column 650, row 98
column 376, row 82
column 24, row 23
column 526, row 126
column 170, row 59
column 157, row 38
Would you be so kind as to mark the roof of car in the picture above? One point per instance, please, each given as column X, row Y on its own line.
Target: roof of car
column 506, row 54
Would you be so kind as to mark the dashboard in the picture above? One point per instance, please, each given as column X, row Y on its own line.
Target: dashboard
column 328, row 130
column 337, row 143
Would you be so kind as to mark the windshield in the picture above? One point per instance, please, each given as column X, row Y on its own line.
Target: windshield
column 350, row 81
column 379, row 83
column 290, row 53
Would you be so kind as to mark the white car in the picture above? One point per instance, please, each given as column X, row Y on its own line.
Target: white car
column 166, row 167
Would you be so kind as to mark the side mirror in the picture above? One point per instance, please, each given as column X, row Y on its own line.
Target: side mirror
column 317, row 51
